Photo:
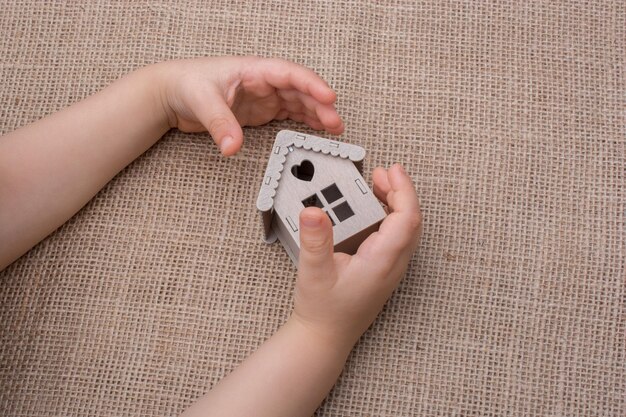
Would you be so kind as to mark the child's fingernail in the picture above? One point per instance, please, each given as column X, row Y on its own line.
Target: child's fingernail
column 227, row 141
column 401, row 169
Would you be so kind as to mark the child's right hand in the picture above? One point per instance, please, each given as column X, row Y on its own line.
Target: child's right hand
column 221, row 94
column 338, row 296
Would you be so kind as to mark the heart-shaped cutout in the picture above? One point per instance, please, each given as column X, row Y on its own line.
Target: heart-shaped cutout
column 304, row 171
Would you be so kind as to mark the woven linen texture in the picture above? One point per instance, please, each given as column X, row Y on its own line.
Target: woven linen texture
column 509, row 116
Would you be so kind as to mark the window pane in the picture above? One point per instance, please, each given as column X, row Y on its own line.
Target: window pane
column 312, row 201
column 332, row 193
column 343, row 211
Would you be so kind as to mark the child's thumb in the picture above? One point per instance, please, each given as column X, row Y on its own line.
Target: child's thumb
column 223, row 126
column 316, row 243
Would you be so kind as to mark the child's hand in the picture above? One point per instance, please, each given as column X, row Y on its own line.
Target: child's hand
column 220, row 95
column 338, row 296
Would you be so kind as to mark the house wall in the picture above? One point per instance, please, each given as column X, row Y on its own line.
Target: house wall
column 328, row 170
column 291, row 245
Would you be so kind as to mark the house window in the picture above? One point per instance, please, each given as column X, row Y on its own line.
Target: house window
column 312, row 201
column 333, row 202
column 332, row 193
column 343, row 211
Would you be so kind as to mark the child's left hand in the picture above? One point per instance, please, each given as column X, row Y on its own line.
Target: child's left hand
column 338, row 296
column 219, row 95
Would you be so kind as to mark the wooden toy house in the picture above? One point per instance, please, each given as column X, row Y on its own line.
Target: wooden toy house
column 305, row 170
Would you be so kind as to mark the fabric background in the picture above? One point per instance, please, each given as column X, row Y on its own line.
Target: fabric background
column 510, row 117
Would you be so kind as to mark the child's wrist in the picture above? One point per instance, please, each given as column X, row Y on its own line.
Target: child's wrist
column 326, row 338
column 157, row 78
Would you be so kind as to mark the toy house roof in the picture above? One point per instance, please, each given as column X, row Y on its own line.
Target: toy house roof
column 287, row 141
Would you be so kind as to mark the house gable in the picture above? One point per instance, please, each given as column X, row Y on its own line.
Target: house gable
column 304, row 171
column 286, row 142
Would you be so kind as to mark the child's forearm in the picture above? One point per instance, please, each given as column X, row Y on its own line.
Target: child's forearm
column 289, row 375
column 53, row 167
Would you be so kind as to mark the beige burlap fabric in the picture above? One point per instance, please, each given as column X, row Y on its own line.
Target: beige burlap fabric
column 510, row 116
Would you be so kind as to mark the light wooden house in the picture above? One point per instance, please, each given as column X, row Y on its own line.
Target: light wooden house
column 305, row 170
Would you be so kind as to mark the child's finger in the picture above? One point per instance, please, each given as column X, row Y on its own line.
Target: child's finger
column 399, row 232
column 217, row 117
column 284, row 74
column 335, row 130
column 313, row 123
column 328, row 116
column 310, row 121
column 294, row 98
column 326, row 113
column 297, row 107
column 381, row 184
column 316, row 245
column 403, row 197
column 402, row 226
column 297, row 117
